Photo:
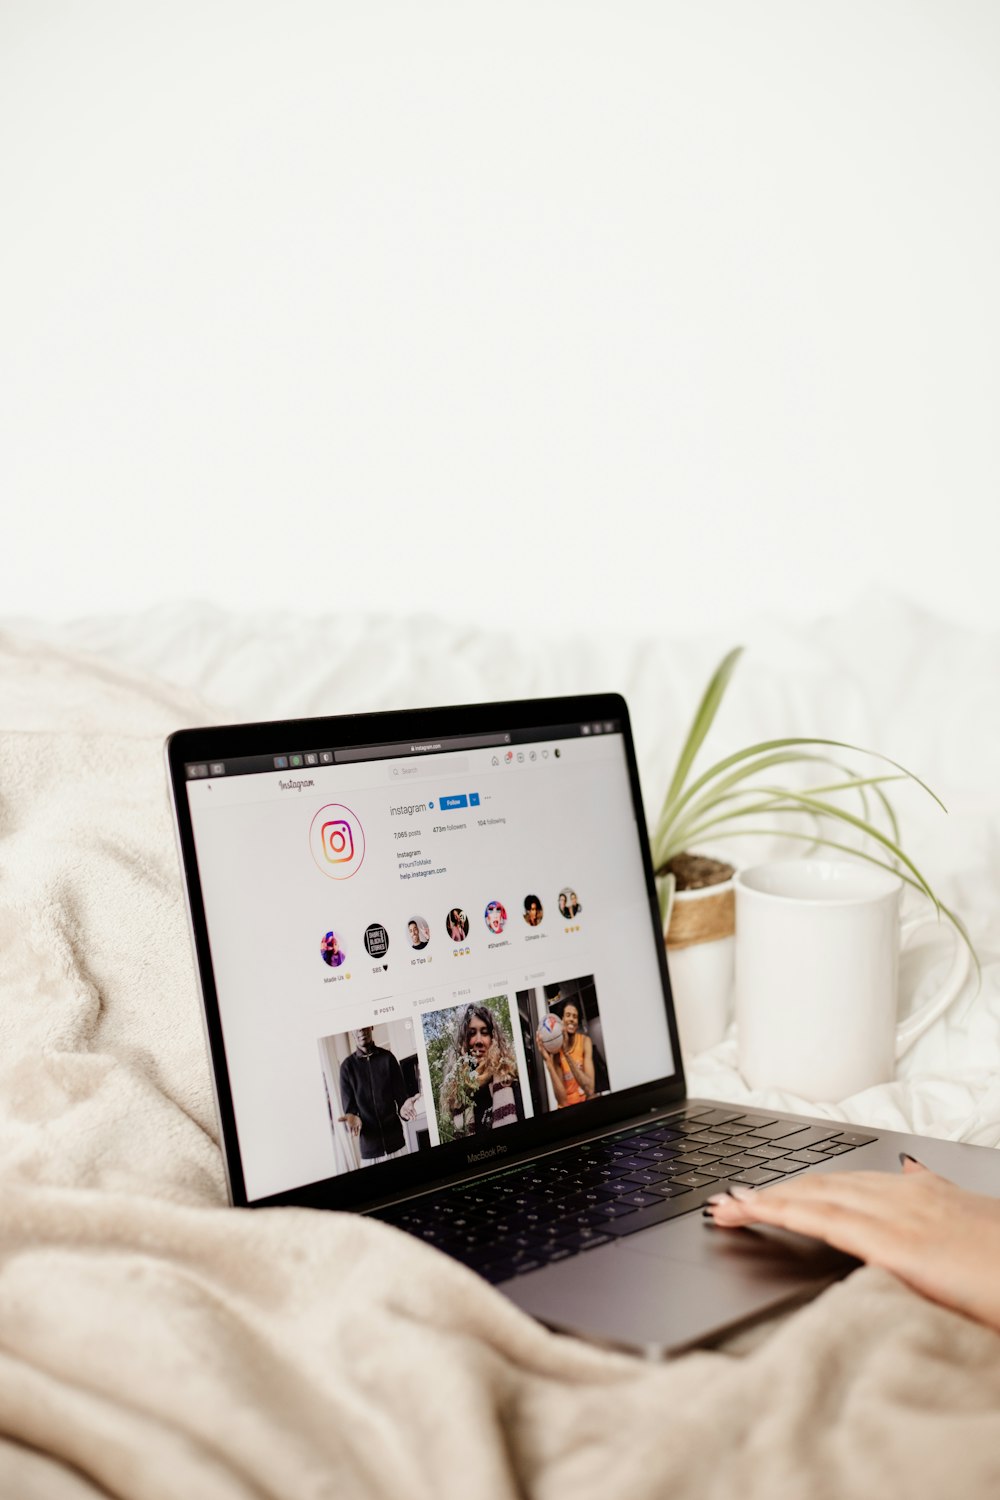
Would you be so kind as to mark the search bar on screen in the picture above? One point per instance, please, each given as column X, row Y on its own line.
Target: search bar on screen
column 431, row 769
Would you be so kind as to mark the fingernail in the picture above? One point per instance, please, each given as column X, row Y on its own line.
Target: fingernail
column 905, row 1156
column 718, row 1198
column 707, row 1213
column 742, row 1194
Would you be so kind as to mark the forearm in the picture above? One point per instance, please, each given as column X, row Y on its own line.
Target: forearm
column 584, row 1078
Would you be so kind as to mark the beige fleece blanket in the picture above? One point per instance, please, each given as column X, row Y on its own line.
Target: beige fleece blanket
column 154, row 1343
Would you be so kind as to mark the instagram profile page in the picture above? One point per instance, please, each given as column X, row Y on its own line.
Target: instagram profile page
column 408, row 954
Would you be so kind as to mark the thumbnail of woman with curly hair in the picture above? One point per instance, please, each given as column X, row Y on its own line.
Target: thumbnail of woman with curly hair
column 480, row 1089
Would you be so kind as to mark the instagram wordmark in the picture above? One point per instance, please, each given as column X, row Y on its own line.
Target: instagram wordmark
column 337, row 841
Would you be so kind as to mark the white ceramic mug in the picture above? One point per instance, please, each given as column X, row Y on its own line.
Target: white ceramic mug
column 817, row 964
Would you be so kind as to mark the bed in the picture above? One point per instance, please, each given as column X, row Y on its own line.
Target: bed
column 155, row 1343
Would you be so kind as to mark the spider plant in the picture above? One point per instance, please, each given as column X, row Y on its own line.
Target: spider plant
column 741, row 796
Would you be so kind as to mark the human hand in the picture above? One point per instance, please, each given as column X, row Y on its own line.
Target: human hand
column 938, row 1238
column 408, row 1108
column 353, row 1123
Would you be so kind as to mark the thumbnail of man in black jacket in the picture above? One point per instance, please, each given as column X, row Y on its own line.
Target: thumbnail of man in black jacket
column 374, row 1098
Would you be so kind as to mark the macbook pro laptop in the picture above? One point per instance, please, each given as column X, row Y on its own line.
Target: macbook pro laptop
column 435, row 990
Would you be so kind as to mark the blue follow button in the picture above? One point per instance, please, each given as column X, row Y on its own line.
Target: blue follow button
column 449, row 804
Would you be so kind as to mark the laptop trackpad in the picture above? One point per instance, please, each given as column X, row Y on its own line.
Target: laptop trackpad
column 762, row 1254
column 676, row 1285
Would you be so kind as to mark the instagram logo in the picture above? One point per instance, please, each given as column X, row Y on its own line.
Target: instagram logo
column 337, row 841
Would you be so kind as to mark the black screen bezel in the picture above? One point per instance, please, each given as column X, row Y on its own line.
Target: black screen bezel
column 356, row 1190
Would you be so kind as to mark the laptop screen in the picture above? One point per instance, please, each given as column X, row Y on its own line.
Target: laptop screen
column 417, row 944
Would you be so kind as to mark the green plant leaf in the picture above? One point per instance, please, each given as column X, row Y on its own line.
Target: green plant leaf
column 768, row 745
column 762, row 749
column 668, row 825
column 670, row 822
column 666, row 887
column 702, row 722
column 670, row 839
column 800, row 801
column 691, row 827
column 963, row 931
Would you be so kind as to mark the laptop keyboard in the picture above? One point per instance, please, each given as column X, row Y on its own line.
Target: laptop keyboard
column 588, row 1195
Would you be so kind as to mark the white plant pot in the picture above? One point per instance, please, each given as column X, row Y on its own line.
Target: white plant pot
column 700, row 957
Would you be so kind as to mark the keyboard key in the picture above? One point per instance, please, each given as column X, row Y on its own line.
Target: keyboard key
column 772, row 1153
column 507, row 1269
column 834, row 1148
column 522, row 1241
column 613, row 1209
column 756, row 1176
column 806, row 1158
column 667, row 1208
column 573, row 1204
column 593, row 1197
column 779, row 1129
column 811, row 1136
column 852, row 1139
column 715, row 1116
column 592, row 1220
column 693, row 1179
column 640, row 1199
column 546, row 1209
column 558, row 1251
column 586, row 1241
column 476, row 1260
column 531, row 1221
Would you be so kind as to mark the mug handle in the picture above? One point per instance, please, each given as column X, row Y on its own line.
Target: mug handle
column 915, row 1025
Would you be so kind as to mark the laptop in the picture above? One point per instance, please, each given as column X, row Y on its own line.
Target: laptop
column 435, row 991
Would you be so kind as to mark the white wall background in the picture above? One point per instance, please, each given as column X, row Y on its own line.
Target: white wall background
column 550, row 310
